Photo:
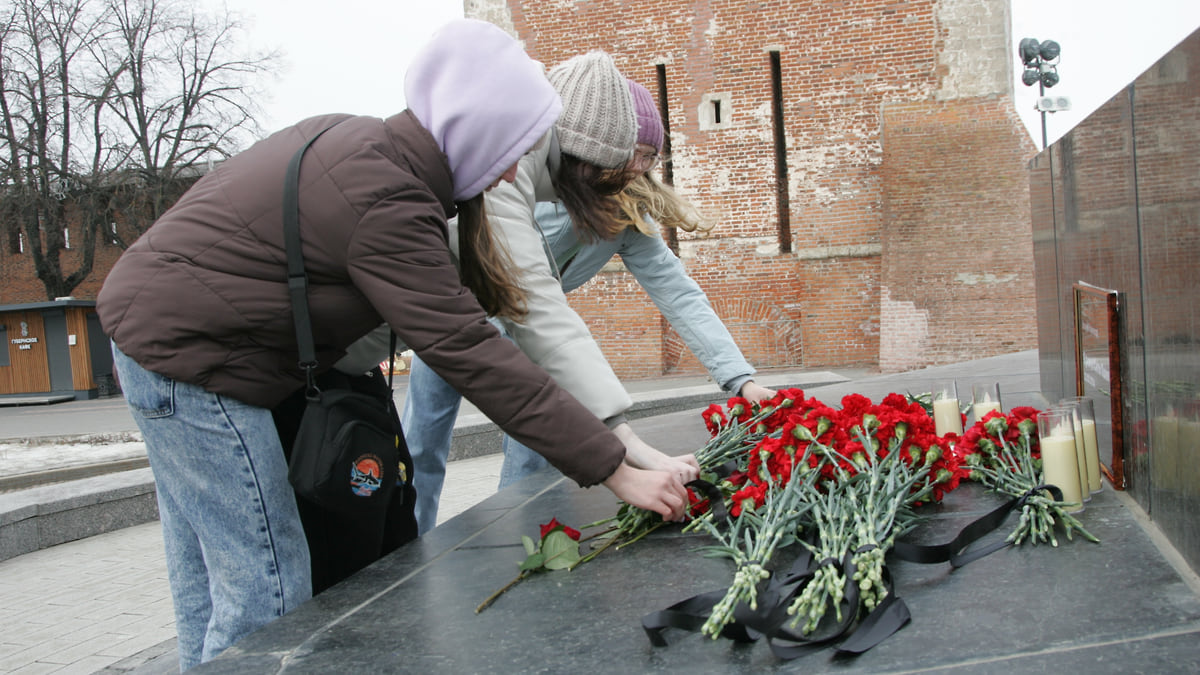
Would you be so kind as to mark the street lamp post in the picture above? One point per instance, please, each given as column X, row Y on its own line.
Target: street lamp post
column 1041, row 66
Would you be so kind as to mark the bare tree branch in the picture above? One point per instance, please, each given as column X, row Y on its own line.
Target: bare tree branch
column 112, row 108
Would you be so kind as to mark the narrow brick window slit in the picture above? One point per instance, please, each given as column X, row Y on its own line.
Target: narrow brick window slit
column 782, row 203
column 668, row 169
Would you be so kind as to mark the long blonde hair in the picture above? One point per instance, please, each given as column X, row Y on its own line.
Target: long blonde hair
column 585, row 190
column 646, row 196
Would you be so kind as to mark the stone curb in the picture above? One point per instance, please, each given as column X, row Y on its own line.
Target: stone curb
column 48, row 515
column 24, row 481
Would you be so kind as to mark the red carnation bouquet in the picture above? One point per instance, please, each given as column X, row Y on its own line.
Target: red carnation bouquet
column 1001, row 452
column 850, row 476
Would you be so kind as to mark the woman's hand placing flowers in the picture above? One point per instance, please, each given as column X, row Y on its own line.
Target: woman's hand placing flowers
column 641, row 455
column 756, row 393
column 657, row 491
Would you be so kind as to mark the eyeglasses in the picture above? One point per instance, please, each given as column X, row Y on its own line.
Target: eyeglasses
column 644, row 161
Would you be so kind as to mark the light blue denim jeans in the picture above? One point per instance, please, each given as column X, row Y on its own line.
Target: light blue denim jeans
column 519, row 462
column 236, row 553
column 430, row 409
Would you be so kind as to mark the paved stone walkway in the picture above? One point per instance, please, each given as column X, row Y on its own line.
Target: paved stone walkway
column 102, row 604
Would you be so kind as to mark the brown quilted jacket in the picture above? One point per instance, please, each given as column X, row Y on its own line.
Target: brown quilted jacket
column 202, row 296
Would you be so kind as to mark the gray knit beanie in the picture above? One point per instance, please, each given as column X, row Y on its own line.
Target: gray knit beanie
column 598, row 124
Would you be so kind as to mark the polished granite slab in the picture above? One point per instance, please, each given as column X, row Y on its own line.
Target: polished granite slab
column 1119, row 606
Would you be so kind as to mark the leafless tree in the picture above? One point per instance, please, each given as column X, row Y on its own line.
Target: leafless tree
column 111, row 108
column 38, row 49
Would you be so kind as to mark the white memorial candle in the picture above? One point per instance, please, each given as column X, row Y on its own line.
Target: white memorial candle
column 947, row 417
column 1059, row 464
column 985, row 406
column 985, row 397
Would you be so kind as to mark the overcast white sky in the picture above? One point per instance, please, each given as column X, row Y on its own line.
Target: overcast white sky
column 1106, row 44
column 350, row 55
column 340, row 55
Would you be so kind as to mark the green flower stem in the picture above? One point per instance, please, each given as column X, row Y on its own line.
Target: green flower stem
column 643, row 533
column 593, row 554
column 751, row 542
column 492, row 598
column 618, row 541
column 602, row 533
column 827, row 584
column 1012, row 472
column 863, row 513
column 598, row 523
column 731, row 441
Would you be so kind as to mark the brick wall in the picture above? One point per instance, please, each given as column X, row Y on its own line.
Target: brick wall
column 903, row 153
column 19, row 282
column 958, row 277
column 18, row 277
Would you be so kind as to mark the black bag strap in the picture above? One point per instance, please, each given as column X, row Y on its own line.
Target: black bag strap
column 298, row 279
column 391, row 357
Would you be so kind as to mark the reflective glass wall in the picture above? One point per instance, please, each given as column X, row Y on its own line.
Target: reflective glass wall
column 1116, row 226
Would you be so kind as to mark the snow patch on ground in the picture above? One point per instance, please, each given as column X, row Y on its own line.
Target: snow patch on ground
column 20, row 458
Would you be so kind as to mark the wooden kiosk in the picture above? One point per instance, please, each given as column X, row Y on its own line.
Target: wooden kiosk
column 53, row 351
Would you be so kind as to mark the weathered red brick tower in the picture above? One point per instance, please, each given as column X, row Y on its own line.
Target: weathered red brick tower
column 863, row 159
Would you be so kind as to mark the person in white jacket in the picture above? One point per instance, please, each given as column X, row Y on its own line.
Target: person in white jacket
column 556, row 254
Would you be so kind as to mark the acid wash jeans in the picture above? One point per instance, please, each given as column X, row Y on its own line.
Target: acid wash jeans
column 236, row 553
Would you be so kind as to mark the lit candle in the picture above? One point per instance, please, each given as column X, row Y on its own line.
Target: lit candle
column 1059, row 466
column 947, row 416
column 985, row 406
column 1085, row 482
column 984, row 399
column 1059, row 460
column 1091, row 448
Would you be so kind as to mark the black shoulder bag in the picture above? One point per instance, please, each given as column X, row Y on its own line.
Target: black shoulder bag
column 346, row 456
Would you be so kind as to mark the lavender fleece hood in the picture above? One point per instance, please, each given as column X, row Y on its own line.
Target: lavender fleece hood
column 471, row 66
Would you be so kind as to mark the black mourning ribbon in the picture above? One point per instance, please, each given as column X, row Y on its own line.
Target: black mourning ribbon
column 716, row 501
column 954, row 551
column 776, row 594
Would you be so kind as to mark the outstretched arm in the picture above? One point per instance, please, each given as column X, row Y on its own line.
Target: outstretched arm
column 553, row 335
column 681, row 300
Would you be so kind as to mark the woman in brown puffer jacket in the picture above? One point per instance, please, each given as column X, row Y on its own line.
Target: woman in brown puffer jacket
column 200, row 318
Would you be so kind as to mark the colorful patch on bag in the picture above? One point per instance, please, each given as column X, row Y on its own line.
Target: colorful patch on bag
column 366, row 475
column 402, row 477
